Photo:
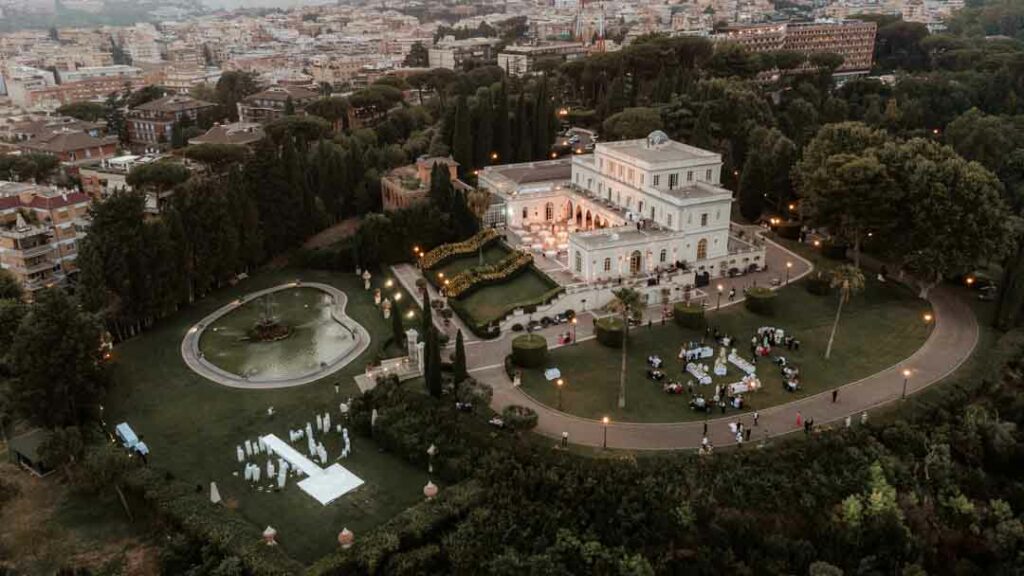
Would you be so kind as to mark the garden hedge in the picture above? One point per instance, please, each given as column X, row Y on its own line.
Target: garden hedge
column 519, row 417
column 688, row 315
column 609, row 331
column 819, row 284
column 761, row 300
column 530, row 350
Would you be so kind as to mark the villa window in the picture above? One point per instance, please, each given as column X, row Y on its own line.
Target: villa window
column 631, row 175
column 669, row 221
column 704, row 219
column 590, row 183
column 600, row 163
column 657, row 180
column 689, row 176
column 641, row 179
column 579, row 262
column 707, row 175
column 622, row 171
column 663, row 257
column 526, row 213
column 640, row 206
column 702, row 249
column 673, row 181
column 607, row 264
column 629, row 201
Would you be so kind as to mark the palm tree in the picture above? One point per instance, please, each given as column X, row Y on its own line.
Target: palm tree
column 850, row 280
column 627, row 303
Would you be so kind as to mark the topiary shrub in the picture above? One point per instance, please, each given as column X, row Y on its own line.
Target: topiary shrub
column 818, row 283
column 529, row 350
column 608, row 331
column 519, row 417
column 760, row 301
column 688, row 315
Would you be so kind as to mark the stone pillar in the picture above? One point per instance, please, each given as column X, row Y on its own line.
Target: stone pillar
column 419, row 356
column 411, row 339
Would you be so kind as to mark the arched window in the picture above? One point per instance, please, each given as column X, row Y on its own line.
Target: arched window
column 702, row 249
column 635, row 262
column 607, row 264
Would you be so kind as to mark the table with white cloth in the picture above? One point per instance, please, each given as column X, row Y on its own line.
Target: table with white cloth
column 698, row 372
column 742, row 363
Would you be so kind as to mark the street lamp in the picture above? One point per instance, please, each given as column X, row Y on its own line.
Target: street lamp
column 560, row 383
column 789, row 265
column 927, row 318
column 605, row 421
column 720, row 288
column 906, row 376
column 573, row 322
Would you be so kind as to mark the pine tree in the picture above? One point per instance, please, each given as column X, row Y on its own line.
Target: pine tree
column 459, row 364
column 503, row 126
column 462, row 137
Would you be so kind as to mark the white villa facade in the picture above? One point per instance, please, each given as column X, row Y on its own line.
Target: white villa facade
column 632, row 208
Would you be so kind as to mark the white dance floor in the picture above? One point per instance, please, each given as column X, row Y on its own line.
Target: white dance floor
column 324, row 484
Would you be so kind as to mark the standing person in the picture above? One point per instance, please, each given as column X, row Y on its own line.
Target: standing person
column 863, row 418
column 705, row 429
column 732, row 294
column 565, row 439
column 747, row 434
column 756, row 417
column 799, row 419
column 835, row 394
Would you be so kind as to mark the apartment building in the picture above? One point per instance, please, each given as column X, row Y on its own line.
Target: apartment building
column 452, row 54
column 854, row 40
column 182, row 79
column 519, row 60
column 71, row 146
column 270, row 104
column 40, row 228
column 150, row 124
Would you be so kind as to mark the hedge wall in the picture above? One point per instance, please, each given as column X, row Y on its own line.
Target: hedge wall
column 529, row 350
column 178, row 503
column 688, row 315
column 382, row 550
column 608, row 331
column 519, row 417
column 761, row 300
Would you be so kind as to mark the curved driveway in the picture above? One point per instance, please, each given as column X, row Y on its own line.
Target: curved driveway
column 194, row 359
column 952, row 340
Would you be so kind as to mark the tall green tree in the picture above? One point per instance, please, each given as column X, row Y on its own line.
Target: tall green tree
column 462, row 136
column 432, row 363
column 397, row 329
column 765, row 177
column 483, row 136
column 459, row 372
column 502, row 126
column 441, row 192
column 524, row 138
column 56, row 353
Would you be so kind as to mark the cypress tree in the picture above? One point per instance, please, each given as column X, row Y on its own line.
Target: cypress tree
column 503, row 126
column 524, row 144
column 440, row 187
column 483, row 140
column 427, row 321
column 397, row 328
column 462, row 137
column 432, row 364
column 459, row 365
column 541, row 125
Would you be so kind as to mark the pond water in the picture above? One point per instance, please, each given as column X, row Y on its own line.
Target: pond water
column 316, row 337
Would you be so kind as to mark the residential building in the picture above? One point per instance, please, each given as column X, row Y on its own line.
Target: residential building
column 854, row 40
column 407, row 185
column 101, row 179
column 270, row 104
column 182, row 79
column 239, row 133
column 452, row 54
column 40, row 228
column 71, row 147
column 519, row 60
column 150, row 124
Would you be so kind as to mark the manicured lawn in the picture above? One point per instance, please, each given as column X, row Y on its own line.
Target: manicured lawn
column 192, row 425
column 879, row 327
column 490, row 302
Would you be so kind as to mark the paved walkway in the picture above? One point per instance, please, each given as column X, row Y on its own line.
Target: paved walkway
column 194, row 358
column 952, row 340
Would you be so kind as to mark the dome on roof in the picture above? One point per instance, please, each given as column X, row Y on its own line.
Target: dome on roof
column 657, row 138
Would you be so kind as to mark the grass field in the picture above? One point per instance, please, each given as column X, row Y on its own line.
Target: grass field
column 879, row 327
column 192, row 425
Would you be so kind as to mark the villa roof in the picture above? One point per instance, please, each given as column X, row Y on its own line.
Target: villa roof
column 173, row 103
column 67, row 140
column 669, row 151
column 241, row 133
column 536, row 171
column 697, row 190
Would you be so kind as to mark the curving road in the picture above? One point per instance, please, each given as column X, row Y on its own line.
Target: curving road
column 194, row 359
column 951, row 342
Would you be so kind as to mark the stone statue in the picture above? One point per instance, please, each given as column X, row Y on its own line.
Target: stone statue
column 366, row 279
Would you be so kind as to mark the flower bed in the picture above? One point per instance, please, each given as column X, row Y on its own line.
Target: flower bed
column 464, row 282
column 445, row 252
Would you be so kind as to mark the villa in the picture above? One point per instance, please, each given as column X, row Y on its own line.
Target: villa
column 634, row 208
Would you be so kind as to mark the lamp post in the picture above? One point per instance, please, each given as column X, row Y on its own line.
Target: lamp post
column 573, row 322
column 559, row 383
column 719, row 306
column 789, row 265
column 906, row 377
column 605, row 421
column 928, row 318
